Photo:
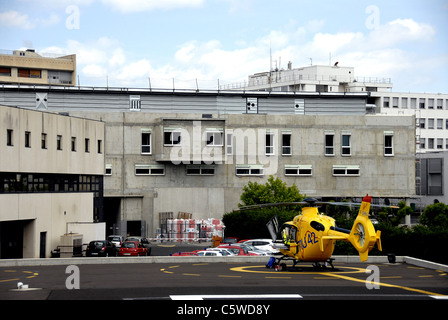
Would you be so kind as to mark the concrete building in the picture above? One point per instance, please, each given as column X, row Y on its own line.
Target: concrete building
column 314, row 78
column 429, row 109
column 51, row 180
column 193, row 151
column 28, row 67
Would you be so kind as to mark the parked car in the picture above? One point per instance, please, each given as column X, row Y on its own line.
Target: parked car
column 116, row 240
column 144, row 242
column 252, row 250
column 183, row 254
column 262, row 244
column 132, row 248
column 238, row 250
column 101, row 248
column 223, row 251
column 210, row 253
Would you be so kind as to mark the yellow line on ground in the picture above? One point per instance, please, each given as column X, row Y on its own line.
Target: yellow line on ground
column 384, row 284
column 9, row 280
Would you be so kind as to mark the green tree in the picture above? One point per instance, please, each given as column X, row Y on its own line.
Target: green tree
column 252, row 224
column 393, row 216
column 435, row 215
column 273, row 191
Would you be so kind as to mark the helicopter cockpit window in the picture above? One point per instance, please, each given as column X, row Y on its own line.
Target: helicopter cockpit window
column 317, row 226
column 288, row 234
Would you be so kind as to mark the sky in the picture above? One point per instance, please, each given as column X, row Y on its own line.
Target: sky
column 189, row 43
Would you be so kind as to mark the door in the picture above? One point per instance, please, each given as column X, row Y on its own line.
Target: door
column 43, row 244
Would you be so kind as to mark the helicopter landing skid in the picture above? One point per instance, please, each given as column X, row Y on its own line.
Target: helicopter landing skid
column 279, row 265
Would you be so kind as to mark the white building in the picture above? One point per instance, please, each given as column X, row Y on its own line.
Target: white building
column 51, row 180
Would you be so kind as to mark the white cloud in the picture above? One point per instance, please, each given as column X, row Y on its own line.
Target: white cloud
column 400, row 31
column 129, row 6
column 374, row 53
column 16, row 19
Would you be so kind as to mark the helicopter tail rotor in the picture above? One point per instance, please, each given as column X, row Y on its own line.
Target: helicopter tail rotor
column 363, row 236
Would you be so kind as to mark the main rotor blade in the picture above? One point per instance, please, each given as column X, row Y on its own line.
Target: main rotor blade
column 269, row 205
column 308, row 204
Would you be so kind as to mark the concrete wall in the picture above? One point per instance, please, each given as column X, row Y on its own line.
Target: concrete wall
column 46, row 212
column 143, row 197
column 19, row 158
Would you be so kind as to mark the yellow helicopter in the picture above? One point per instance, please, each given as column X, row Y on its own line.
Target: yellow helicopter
column 311, row 236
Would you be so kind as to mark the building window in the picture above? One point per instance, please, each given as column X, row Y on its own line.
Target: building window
column 346, row 171
column 286, row 144
column 5, row 71
column 9, row 133
column 149, row 169
column 430, row 123
column 422, row 143
column 421, row 123
column 30, row 73
column 59, row 142
column 346, row 145
column 299, row 170
column 134, row 103
column 74, row 144
column 146, row 141
column 44, row 141
column 249, row 170
column 100, row 146
column 404, row 103
column 388, row 143
column 203, row 170
column 439, row 104
column 269, row 143
column 214, row 138
column 421, row 103
column 439, row 143
column 229, row 142
column 439, row 123
column 329, row 143
column 87, row 145
column 27, row 139
column 108, row 171
column 171, row 137
column 430, row 143
column 395, row 102
column 386, row 102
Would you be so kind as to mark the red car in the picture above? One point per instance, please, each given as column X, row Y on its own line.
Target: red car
column 238, row 250
column 132, row 248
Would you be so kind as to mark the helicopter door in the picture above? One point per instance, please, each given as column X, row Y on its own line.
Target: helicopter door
column 288, row 234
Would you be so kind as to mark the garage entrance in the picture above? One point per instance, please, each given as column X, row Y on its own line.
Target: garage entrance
column 11, row 239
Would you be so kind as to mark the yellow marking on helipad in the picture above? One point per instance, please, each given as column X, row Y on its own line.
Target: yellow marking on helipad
column 250, row 269
column 339, row 275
